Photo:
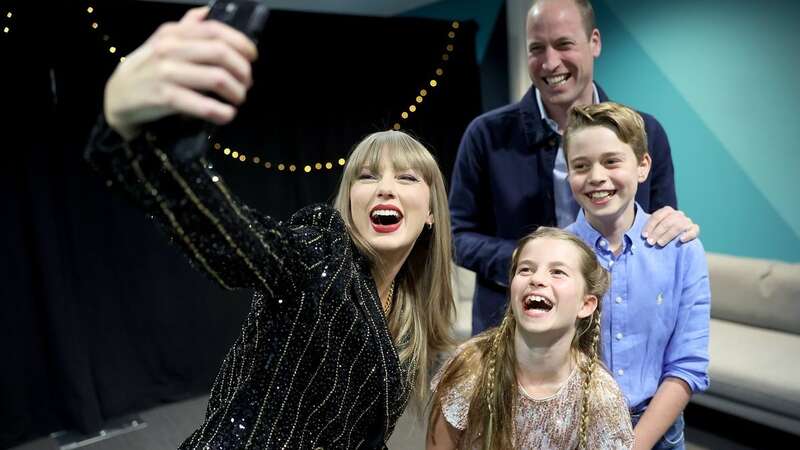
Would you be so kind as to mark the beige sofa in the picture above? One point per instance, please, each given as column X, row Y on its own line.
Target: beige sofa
column 754, row 342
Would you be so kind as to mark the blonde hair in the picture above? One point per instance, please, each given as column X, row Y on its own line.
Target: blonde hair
column 421, row 317
column 491, row 354
column 626, row 123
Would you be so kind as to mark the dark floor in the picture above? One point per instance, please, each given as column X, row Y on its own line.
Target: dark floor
column 168, row 425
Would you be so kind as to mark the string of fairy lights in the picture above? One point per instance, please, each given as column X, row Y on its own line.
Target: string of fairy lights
column 93, row 22
column 7, row 21
column 436, row 78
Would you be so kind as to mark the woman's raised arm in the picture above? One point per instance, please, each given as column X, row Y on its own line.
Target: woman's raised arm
column 177, row 70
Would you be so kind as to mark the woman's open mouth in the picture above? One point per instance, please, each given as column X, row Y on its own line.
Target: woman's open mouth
column 385, row 218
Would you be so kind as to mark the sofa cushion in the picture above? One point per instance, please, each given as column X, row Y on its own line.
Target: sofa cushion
column 755, row 366
column 757, row 292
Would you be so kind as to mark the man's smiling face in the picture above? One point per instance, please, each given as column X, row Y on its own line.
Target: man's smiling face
column 560, row 54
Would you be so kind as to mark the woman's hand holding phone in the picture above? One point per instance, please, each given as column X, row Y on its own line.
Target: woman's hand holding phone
column 195, row 67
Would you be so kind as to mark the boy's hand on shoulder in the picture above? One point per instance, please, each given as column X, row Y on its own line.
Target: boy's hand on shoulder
column 666, row 224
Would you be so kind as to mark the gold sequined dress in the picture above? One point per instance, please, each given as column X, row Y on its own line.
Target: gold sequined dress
column 554, row 422
column 314, row 365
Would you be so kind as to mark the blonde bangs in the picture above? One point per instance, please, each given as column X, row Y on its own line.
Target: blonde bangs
column 404, row 153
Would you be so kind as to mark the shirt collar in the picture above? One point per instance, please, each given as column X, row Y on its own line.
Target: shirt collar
column 634, row 233
column 543, row 113
column 586, row 231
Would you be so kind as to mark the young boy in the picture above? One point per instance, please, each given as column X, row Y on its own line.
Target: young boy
column 655, row 315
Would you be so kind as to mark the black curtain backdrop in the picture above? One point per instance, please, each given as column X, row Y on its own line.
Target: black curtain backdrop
column 99, row 315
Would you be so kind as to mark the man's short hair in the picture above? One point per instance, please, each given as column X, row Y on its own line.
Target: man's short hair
column 587, row 15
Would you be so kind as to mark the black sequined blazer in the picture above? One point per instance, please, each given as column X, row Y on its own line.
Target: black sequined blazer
column 314, row 366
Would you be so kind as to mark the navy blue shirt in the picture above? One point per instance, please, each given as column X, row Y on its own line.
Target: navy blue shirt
column 502, row 189
column 655, row 316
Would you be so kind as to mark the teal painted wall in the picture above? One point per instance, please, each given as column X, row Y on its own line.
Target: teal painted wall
column 484, row 12
column 721, row 76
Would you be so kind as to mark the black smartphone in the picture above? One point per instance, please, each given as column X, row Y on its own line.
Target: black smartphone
column 188, row 137
column 247, row 16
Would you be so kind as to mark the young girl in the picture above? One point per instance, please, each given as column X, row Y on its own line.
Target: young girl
column 351, row 301
column 535, row 382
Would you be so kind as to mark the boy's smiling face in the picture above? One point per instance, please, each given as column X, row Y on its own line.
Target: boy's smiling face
column 604, row 174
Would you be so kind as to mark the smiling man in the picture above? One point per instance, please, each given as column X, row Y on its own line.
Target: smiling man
column 510, row 174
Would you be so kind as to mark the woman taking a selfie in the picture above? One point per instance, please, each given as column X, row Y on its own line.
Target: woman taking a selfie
column 352, row 301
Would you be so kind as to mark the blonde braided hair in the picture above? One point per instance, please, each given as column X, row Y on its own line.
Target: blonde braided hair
column 588, row 372
column 491, row 382
column 481, row 355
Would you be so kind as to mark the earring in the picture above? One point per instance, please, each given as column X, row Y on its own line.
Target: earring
column 430, row 225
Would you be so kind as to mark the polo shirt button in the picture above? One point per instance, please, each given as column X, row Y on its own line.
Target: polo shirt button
column 618, row 300
column 610, row 263
column 620, row 372
column 619, row 336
